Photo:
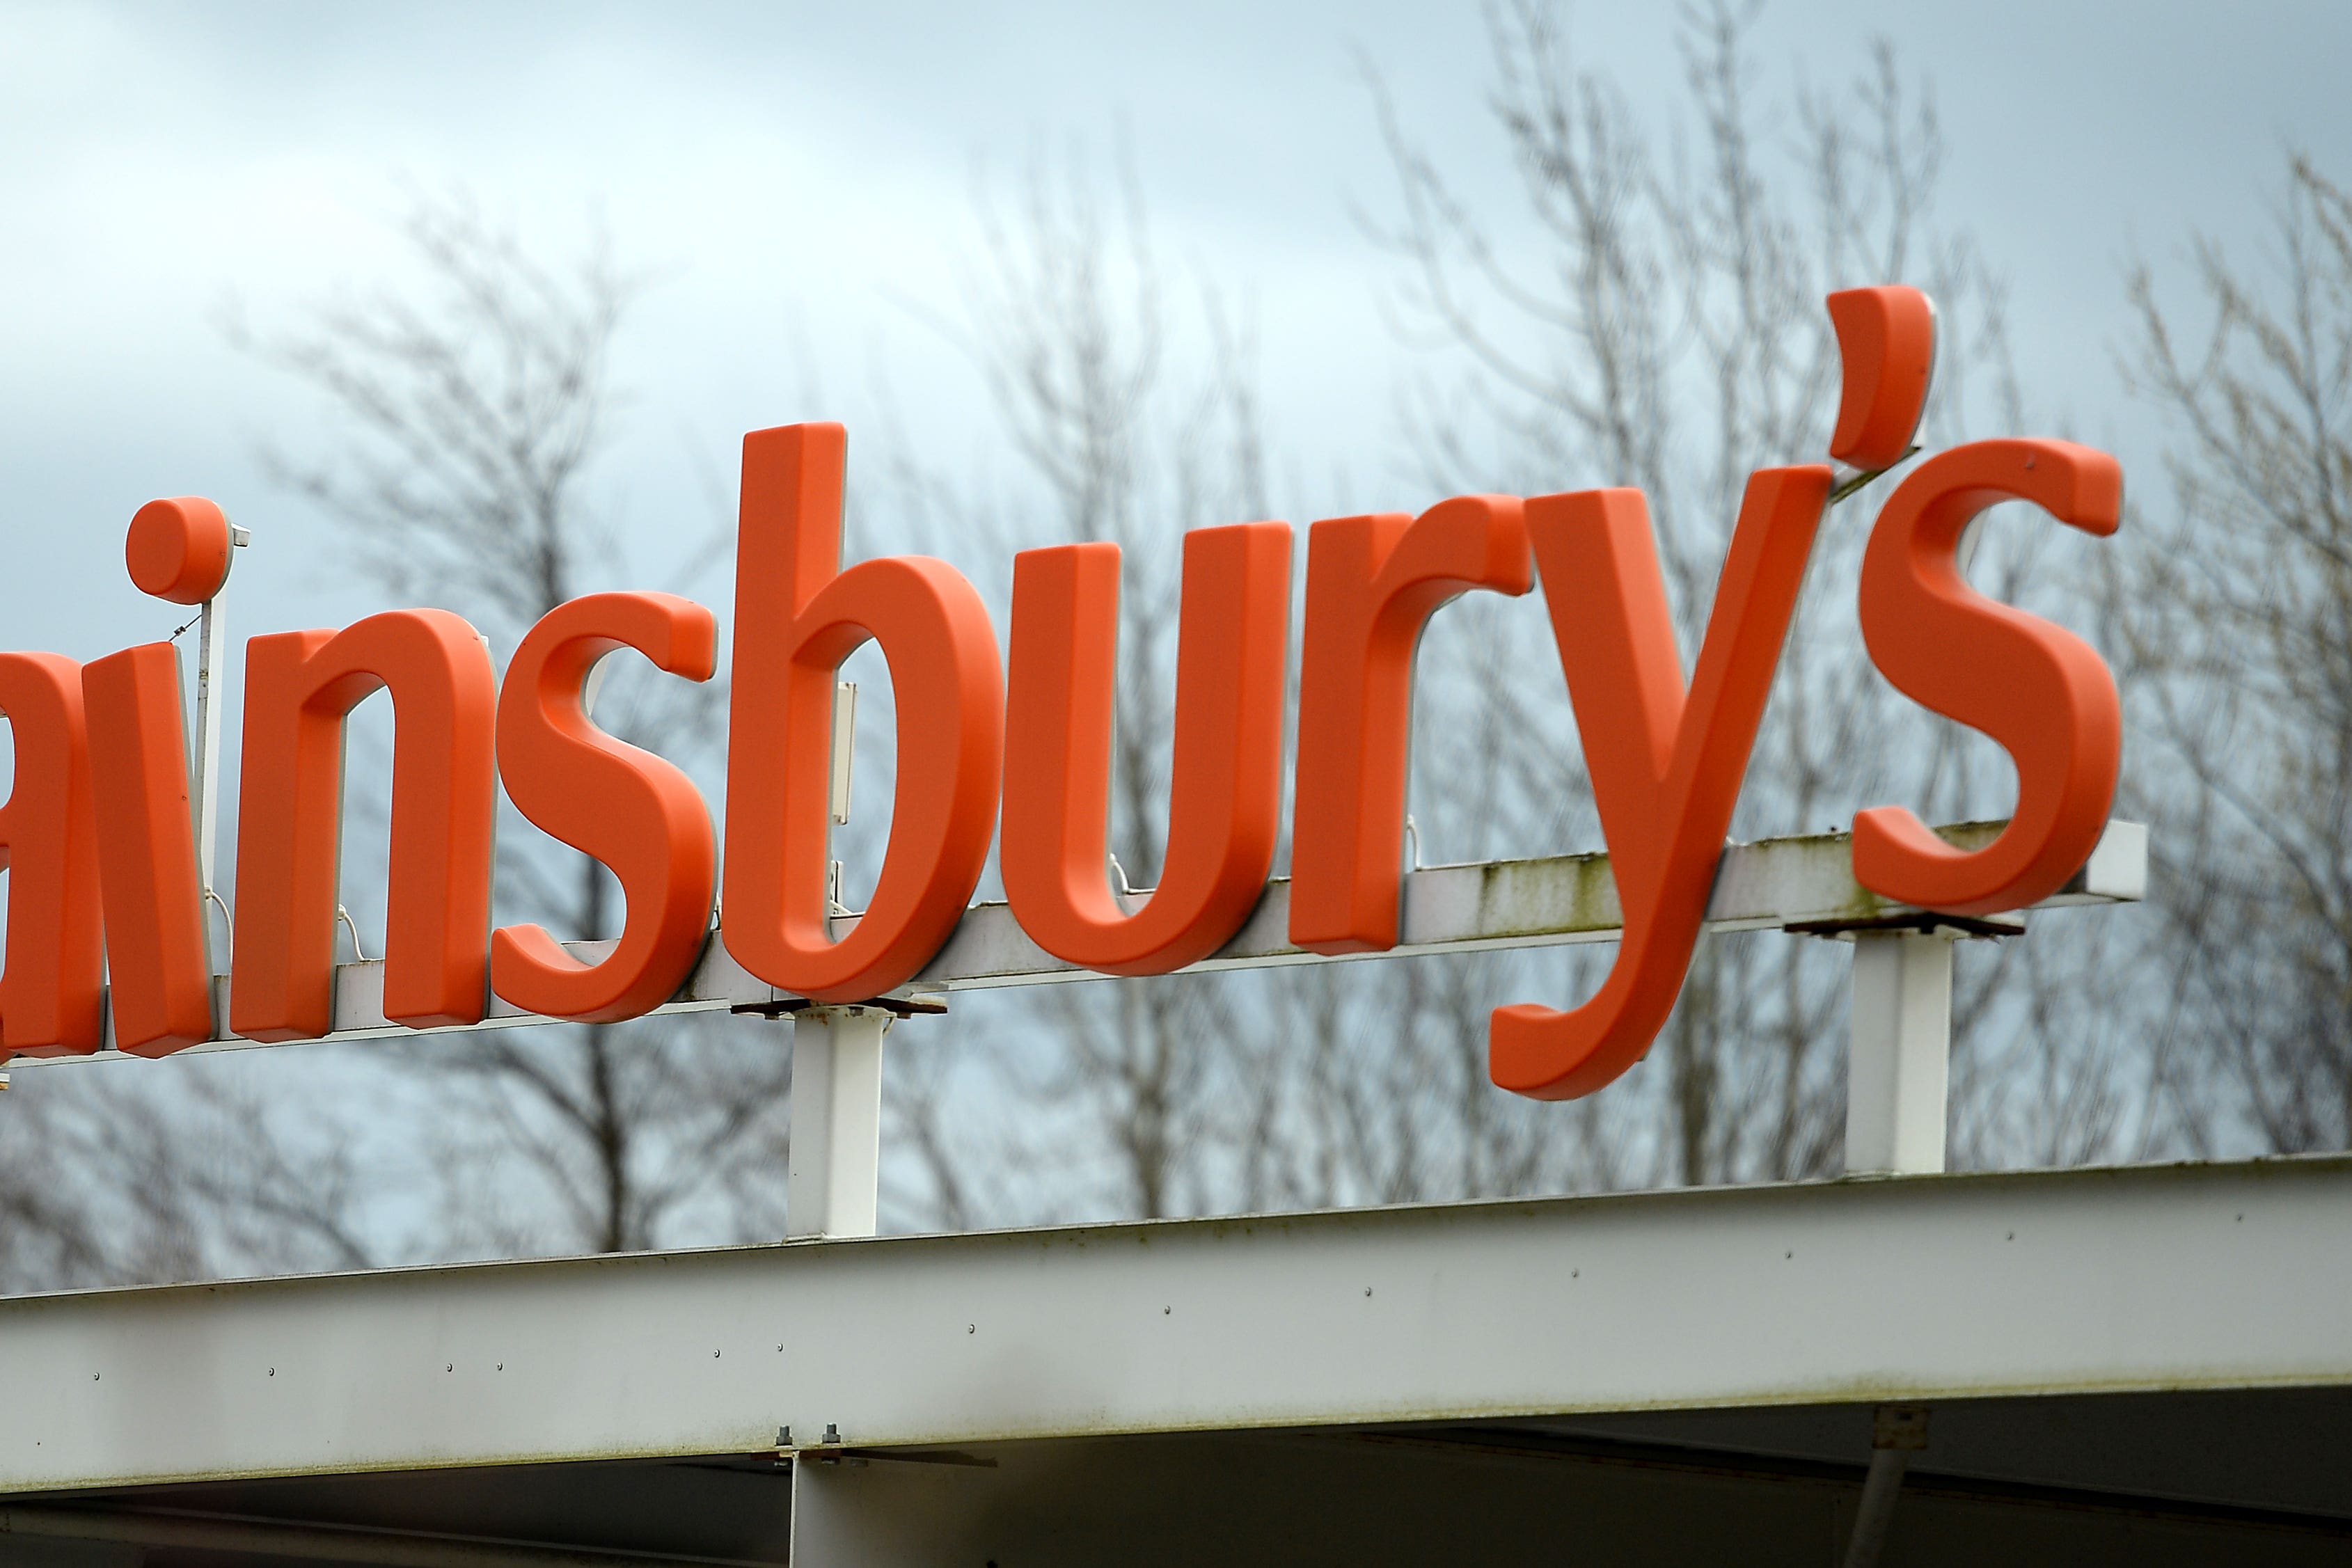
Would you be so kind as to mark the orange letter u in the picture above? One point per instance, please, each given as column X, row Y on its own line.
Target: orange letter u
column 1225, row 793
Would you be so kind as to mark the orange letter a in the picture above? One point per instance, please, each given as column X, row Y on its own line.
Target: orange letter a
column 52, row 1001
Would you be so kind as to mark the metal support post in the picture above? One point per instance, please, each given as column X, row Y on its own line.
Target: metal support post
column 1897, row 1432
column 212, row 636
column 837, row 1147
column 211, row 633
column 1898, row 1073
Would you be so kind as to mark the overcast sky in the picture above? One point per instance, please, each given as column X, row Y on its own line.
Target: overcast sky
column 799, row 174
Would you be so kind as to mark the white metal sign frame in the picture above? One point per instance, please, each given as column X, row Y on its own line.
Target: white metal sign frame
column 1901, row 1030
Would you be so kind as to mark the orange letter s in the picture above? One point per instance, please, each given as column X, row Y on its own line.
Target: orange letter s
column 631, row 810
column 2036, row 688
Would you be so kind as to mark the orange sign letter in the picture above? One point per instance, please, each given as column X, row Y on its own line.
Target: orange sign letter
column 298, row 686
column 1226, row 792
column 2036, row 688
column 160, row 986
column 1666, row 766
column 51, row 1002
column 1371, row 584
column 631, row 810
column 1887, row 352
column 797, row 615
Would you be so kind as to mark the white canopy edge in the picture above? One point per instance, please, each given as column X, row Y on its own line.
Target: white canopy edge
column 1907, row 1288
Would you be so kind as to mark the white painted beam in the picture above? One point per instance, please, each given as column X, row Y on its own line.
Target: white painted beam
column 1803, row 882
column 1900, row 1288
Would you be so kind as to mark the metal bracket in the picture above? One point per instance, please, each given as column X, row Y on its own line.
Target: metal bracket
column 1965, row 927
column 919, row 1003
column 1846, row 482
column 1899, row 1066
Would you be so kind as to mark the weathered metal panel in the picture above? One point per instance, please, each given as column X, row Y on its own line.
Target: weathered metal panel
column 1911, row 1288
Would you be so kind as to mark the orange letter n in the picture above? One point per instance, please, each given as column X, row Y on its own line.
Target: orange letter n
column 298, row 686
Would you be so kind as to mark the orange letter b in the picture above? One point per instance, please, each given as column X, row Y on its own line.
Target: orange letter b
column 797, row 615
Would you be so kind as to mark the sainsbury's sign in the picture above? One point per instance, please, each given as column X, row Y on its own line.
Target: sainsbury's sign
column 100, row 841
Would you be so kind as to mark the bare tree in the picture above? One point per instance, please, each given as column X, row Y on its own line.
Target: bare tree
column 1126, row 435
column 50, row 1234
column 1651, row 315
column 140, row 1173
column 473, row 409
column 1654, row 318
column 1669, row 333
column 2237, row 609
